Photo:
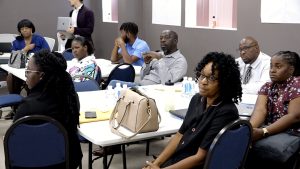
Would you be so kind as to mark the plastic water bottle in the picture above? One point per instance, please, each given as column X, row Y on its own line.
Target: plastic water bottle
column 118, row 89
column 124, row 87
column 184, row 82
column 110, row 98
column 190, row 91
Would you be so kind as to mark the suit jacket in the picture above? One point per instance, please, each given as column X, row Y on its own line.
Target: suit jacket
column 85, row 23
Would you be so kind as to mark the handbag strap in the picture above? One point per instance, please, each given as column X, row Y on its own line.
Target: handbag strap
column 113, row 119
column 135, row 89
column 13, row 57
column 115, row 111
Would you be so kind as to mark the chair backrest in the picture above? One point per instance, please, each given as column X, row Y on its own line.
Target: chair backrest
column 89, row 84
column 230, row 147
column 7, row 37
column 67, row 54
column 51, row 42
column 36, row 141
column 124, row 72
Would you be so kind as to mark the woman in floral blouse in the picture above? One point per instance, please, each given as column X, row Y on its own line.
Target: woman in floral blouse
column 277, row 108
column 84, row 61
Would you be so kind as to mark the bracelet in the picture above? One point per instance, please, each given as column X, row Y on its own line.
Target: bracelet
column 265, row 132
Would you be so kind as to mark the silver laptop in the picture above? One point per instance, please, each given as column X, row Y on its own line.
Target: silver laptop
column 63, row 23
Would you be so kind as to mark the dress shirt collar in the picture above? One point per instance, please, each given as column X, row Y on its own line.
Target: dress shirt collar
column 77, row 9
column 216, row 102
column 256, row 62
column 136, row 42
column 174, row 54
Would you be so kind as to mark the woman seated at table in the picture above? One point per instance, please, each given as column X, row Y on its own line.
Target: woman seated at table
column 27, row 42
column 51, row 93
column 277, row 109
column 209, row 111
column 84, row 62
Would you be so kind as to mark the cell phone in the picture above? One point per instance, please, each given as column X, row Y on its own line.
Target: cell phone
column 90, row 114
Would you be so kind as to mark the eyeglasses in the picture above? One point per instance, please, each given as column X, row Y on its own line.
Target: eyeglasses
column 209, row 79
column 27, row 71
column 246, row 48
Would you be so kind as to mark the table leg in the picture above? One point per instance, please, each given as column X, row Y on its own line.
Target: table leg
column 90, row 155
column 124, row 156
column 104, row 159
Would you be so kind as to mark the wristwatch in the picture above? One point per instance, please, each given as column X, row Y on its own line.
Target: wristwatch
column 265, row 132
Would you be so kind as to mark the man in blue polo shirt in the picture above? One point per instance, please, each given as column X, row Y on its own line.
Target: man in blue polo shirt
column 128, row 47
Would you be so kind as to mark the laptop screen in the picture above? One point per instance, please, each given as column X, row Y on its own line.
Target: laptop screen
column 5, row 47
column 179, row 113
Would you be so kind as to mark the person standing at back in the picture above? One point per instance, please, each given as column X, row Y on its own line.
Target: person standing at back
column 254, row 65
column 128, row 47
column 82, row 22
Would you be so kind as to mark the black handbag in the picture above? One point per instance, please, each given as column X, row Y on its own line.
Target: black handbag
column 17, row 59
column 279, row 147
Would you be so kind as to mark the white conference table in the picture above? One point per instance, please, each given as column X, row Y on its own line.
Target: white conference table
column 105, row 65
column 99, row 133
column 4, row 56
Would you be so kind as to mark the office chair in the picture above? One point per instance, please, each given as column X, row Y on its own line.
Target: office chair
column 51, row 42
column 67, row 54
column 7, row 37
column 36, row 141
column 124, row 72
column 230, row 147
column 89, row 84
column 9, row 100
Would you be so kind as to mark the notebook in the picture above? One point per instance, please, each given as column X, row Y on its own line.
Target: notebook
column 179, row 113
column 5, row 47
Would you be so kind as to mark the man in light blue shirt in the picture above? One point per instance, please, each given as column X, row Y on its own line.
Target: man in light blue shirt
column 128, row 47
column 161, row 67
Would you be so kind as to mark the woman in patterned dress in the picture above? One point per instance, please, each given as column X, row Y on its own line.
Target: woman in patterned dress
column 277, row 108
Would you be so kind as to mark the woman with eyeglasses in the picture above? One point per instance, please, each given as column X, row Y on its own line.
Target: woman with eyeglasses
column 51, row 93
column 276, row 116
column 27, row 42
column 209, row 111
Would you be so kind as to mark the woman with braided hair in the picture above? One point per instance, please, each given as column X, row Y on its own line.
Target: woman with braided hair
column 51, row 93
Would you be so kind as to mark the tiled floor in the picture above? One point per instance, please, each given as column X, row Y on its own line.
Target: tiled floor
column 135, row 153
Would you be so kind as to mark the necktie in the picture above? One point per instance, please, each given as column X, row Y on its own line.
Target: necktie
column 247, row 75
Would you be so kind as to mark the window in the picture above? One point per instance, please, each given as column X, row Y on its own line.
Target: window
column 218, row 14
column 110, row 11
column 166, row 12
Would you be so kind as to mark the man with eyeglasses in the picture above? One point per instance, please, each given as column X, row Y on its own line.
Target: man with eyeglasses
column 253, row 64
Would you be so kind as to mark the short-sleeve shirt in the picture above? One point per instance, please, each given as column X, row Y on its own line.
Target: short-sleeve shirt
column 136, row 49
column 86, row 66
column 37, row 40
column 201, row 126
column 279, row 96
